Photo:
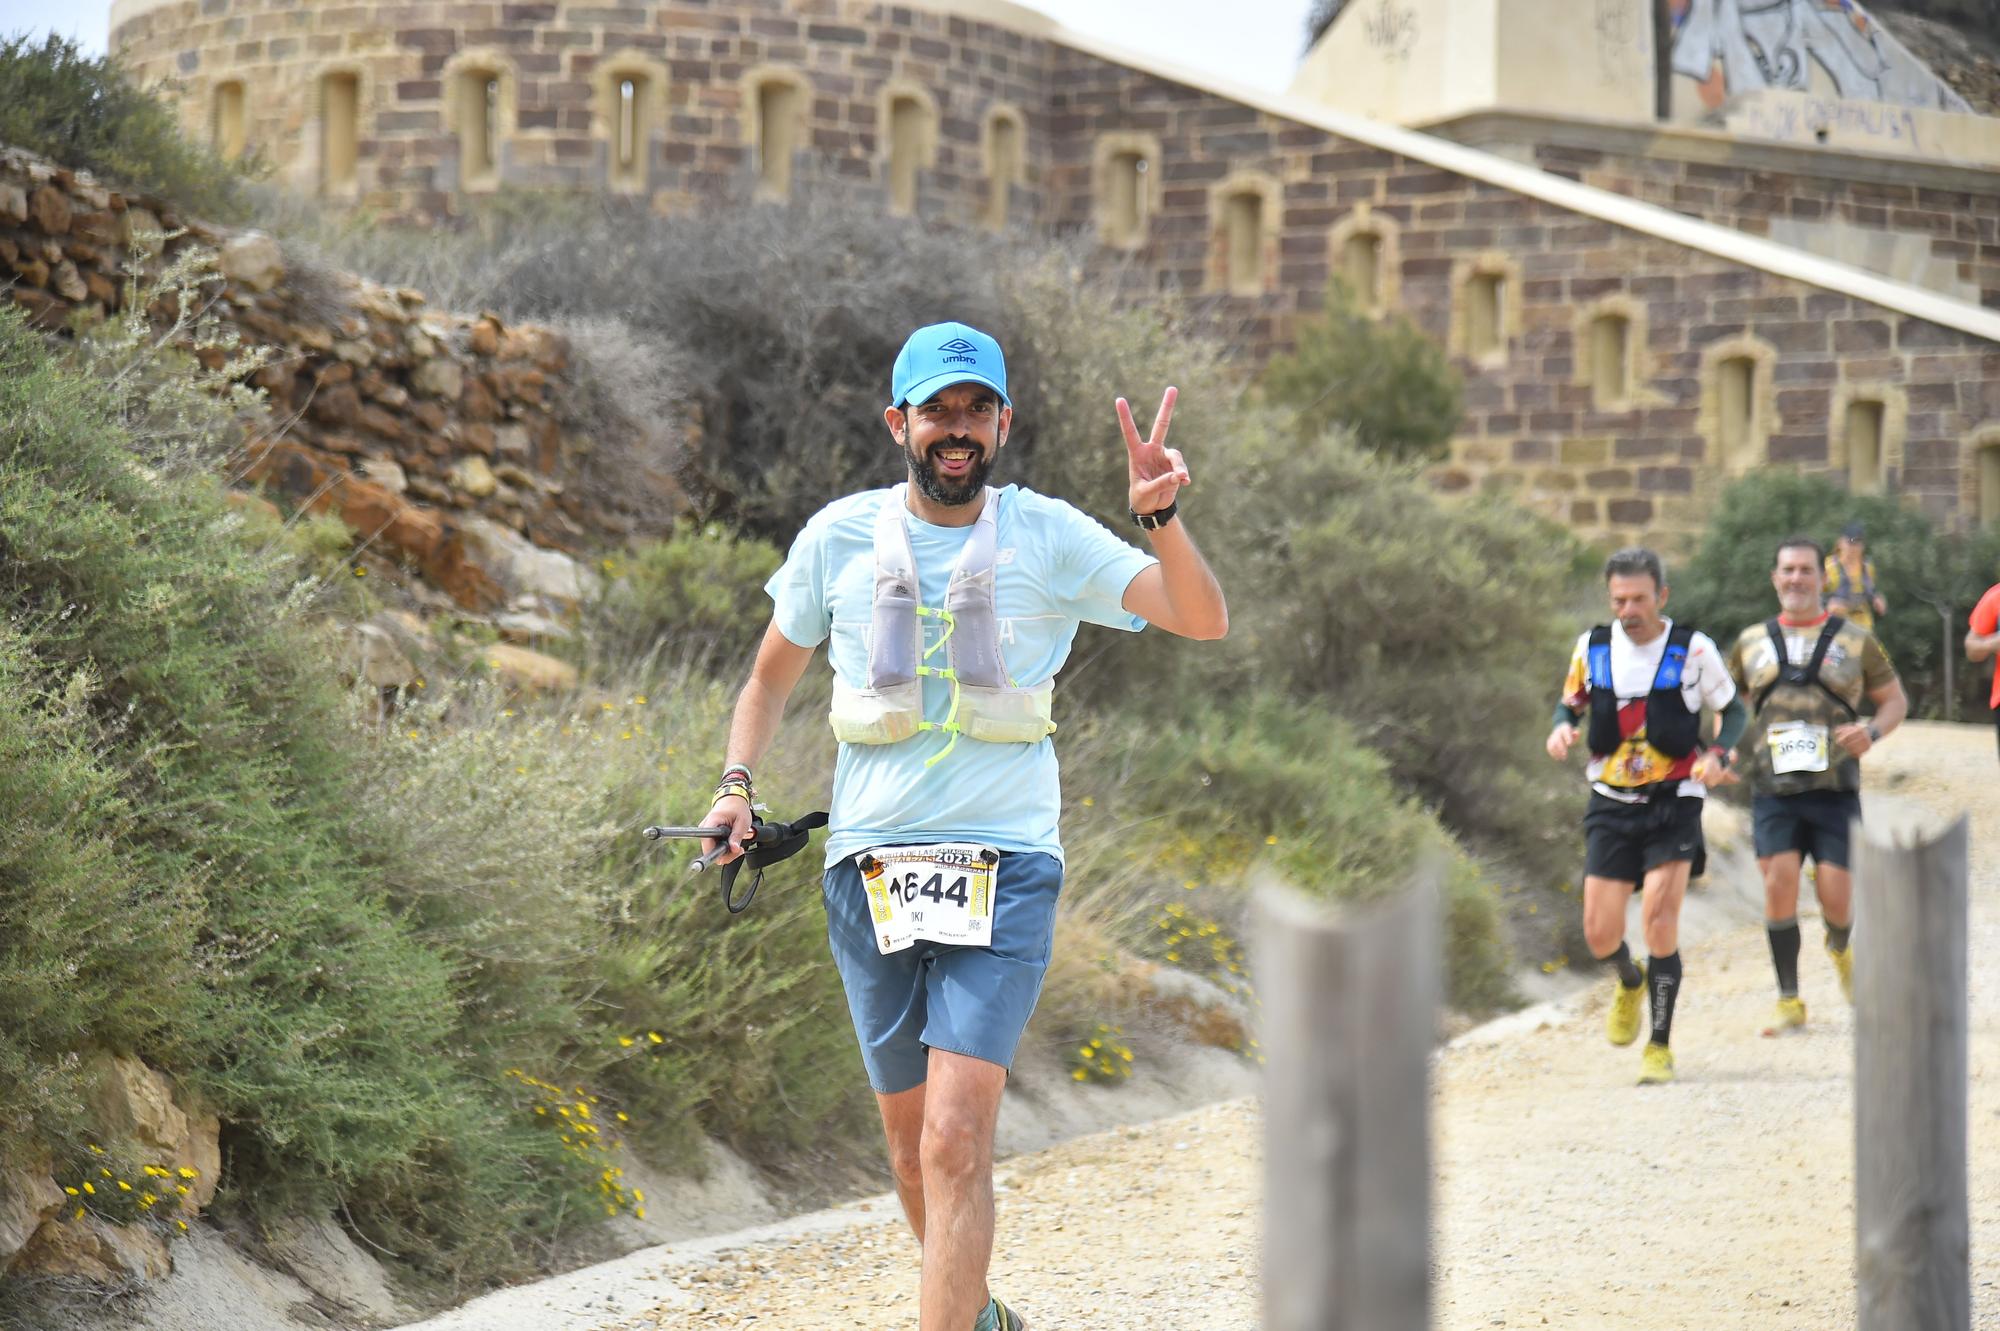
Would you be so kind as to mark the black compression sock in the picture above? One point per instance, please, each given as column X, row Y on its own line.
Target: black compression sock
column 1784, row 936
column 1629, row 974
column 1663, row 977
column 1837, row 936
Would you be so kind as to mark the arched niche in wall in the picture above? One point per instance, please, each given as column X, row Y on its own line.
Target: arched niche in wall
column 1739, row 403
column 908, row 115
column 479, row 108
column 228, row 119
column 339, row 92
column 1243, row 215
column 1364, row 251
column 776, row 102
column 631, row 96
column 1127, row 187
column 1003, row 142
column 1979, row 477
column 1608, row 353
column 1866, row 430
column 1486, row 307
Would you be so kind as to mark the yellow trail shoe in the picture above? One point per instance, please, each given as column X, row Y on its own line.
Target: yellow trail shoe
column 1790, row 1016
column 1656, row 1065
column 1627, row 1006
column 1843, row 962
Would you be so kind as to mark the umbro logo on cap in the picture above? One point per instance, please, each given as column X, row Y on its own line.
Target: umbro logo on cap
column 958, row 351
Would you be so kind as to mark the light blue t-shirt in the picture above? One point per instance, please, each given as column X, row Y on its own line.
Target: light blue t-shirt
column 1054, row 567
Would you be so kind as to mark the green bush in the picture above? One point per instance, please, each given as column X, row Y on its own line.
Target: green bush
column 1439, row 631
column 1930, row 579
column 307, row 1011
column 1382, row 379
column 92, row 950
column 344, row 939
column 85, row 111
column 697, row 596
column 1265, row 782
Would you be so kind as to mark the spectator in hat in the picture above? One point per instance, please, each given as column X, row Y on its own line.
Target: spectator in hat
column 1850, row 579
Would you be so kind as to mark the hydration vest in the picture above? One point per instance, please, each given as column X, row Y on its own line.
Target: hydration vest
column 1807, row 675
column 985, row 704
column 1844, row 586
column 1670, row 726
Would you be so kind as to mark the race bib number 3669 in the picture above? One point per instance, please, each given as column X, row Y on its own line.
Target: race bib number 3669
column 942, row 893
column 1797, row 746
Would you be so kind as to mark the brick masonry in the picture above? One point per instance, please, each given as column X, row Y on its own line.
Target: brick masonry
column 1960, row 226
column 1645, row 466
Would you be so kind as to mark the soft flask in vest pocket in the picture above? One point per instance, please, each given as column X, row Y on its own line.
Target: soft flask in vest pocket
column 1006, row 716
column 876, row 716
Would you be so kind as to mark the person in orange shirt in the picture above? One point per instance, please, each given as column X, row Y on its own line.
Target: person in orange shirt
column 1982, row 642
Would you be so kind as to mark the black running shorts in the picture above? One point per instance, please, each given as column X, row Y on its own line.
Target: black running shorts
column 1812, row 822
column 1624, row 841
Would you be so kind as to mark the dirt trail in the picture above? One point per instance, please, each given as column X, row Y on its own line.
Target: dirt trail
column 1567, row 1196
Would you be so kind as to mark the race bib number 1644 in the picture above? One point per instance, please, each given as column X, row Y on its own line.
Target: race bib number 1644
column 943, row 893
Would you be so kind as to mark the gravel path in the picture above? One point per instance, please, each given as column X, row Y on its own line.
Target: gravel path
column 1567, row 1196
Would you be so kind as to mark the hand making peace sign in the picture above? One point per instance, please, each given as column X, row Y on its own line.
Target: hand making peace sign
column 1156, row 472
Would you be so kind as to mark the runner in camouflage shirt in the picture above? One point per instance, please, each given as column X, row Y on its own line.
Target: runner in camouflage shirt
column 1804, row 749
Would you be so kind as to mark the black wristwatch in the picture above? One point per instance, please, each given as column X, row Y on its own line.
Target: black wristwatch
column 1874, row 735
column 1155, row 520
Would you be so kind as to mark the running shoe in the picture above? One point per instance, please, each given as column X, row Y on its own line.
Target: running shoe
column 1006, row 1319
column 1790, row 1016
column 1656, row 1065
column 1843, row 962
column 1627, row 1007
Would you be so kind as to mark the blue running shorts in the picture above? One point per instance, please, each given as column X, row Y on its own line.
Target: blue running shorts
column 968, row 1000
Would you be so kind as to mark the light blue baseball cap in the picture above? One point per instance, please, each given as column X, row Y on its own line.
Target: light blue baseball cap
column 945, row 354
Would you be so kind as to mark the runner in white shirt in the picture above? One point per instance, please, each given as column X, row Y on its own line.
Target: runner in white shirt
column 1640, row 684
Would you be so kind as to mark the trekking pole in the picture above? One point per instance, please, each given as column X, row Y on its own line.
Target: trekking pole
column 767, row 843
column 707, row 858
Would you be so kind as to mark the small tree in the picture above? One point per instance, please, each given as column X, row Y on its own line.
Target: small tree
column 85, row 111
column 1380, row 378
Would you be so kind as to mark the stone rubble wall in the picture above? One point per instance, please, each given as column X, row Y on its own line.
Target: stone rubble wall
column 440, row 438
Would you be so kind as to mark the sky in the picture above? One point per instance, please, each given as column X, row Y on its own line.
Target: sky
column 1250, row 41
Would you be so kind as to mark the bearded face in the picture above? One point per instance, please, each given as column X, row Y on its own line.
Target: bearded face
column 951, row 471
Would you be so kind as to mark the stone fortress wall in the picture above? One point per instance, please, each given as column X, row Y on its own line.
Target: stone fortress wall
column 1621, row 364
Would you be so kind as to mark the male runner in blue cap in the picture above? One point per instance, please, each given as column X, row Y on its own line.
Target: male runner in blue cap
column 948, row 606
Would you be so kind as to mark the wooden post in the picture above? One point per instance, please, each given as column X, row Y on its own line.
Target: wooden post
column 1349, row 1019
column 1911, row 1226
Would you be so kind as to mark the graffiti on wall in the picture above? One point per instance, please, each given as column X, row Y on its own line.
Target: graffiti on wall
column 1618, row 33
column 1730, row 47
column 1392, row 29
